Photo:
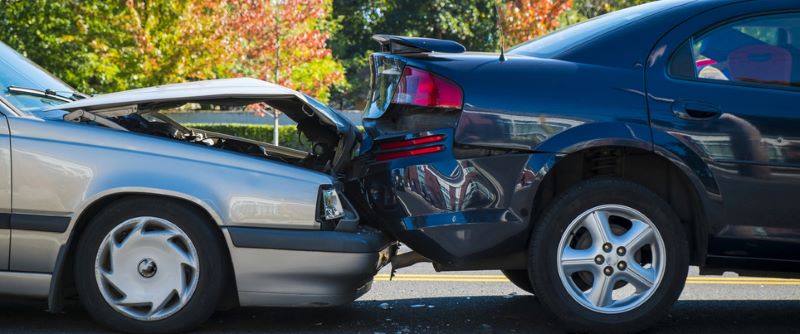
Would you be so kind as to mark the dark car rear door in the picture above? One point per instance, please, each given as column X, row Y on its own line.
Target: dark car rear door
column 727, row 84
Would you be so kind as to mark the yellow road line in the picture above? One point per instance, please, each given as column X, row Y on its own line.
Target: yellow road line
column 699, row 280
column 741, row 283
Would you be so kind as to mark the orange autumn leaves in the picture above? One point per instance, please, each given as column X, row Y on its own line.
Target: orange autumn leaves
column 523, row 20
column 283, row 42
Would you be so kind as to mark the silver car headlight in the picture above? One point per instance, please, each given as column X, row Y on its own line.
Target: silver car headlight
column 331, row 204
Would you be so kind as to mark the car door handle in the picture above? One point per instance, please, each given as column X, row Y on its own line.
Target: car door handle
column 694, row 110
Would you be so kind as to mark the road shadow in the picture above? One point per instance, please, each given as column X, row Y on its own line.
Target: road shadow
column 492, row 314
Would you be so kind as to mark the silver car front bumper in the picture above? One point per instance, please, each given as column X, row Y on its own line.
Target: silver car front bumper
column 305, row 268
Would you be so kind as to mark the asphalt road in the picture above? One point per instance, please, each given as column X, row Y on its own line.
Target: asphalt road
column 420, row 300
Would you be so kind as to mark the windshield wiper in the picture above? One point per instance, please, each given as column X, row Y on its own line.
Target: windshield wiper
column 79, row 96
column 47, row 93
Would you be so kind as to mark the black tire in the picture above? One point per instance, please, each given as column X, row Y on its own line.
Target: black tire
column 544, row 248
column 211, row 256
column 520, row 278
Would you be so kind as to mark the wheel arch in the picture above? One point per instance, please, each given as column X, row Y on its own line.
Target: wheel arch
column 658, row 169
column 62, row 282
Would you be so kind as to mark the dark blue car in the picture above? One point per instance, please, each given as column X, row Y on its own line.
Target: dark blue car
column 594, row 165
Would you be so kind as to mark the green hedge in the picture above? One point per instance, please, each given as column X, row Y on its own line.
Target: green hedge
column 287, row 134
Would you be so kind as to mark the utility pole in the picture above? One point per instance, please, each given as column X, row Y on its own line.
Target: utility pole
column 278, row 37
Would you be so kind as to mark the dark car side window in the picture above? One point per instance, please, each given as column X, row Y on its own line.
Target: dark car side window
column 761, row 50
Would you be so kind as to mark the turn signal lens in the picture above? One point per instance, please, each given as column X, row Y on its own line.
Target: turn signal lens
column 331, row 205
column 422, row 88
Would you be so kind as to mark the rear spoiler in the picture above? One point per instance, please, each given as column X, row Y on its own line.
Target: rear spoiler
column 401, row 44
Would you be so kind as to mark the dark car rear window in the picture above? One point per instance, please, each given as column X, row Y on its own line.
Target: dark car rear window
column 564, row 39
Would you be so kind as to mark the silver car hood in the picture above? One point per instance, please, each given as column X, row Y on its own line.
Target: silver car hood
column 127, row 102
column 238, row 88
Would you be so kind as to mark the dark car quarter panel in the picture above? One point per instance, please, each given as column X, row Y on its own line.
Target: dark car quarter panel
column 465, row 211
column 751, row 205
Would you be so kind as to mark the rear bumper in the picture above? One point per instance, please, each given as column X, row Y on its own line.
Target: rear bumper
column 303, row 268
column 460, row 213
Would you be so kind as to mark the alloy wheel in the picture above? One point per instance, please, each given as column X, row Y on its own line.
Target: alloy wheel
column 611, row 259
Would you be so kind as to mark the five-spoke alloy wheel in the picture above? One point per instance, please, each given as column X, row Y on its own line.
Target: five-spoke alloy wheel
column 140, row 267
column 611, row 258
column 608, row 255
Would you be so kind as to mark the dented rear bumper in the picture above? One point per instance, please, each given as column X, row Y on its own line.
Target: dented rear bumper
column 460, row 213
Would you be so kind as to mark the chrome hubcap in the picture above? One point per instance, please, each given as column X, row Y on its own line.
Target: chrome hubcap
column 147, row 268
column 611, row 259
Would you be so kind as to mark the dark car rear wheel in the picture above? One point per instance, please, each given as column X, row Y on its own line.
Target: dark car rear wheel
column 150, row 266
column 608, row 256
column 520, row 278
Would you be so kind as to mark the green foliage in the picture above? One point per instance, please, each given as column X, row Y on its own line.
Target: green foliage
column 287, row 134
column 49, row 33
column 104, row 46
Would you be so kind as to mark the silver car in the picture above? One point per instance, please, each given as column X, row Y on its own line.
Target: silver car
column 153, row 225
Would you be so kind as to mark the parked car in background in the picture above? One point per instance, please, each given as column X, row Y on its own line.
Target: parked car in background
column 595, row 164
column 154, row 226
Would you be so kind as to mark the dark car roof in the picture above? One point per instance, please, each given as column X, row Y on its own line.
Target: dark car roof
column 618, row 37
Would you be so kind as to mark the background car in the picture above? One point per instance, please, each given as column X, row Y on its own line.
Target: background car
column 154, row 226
column 595, row 164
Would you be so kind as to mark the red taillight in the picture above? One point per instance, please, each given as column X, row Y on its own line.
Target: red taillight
column 409, row 153
column 422, row 88
column 411, row 142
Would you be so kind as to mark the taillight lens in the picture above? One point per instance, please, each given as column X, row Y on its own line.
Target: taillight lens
column 422, row 88
column 411, row 142
column 407, row 149
column 409, row 153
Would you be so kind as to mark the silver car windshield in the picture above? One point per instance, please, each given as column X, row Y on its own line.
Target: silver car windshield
column 18, row 71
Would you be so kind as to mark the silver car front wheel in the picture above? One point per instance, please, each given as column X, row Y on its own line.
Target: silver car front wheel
column 151, row 265
column 147, row 268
